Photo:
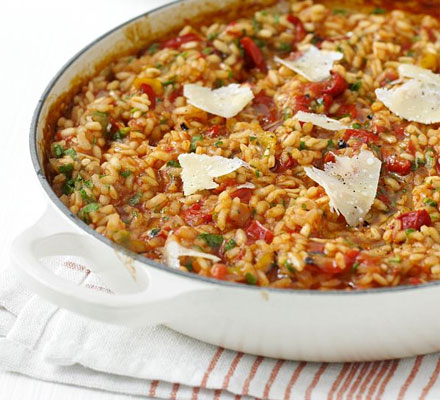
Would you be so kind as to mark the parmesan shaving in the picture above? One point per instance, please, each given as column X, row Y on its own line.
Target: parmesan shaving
column 350, row 183
column 226, row 101
column 198, row 170
column 173, row 250
column 320, row 120
column 314, row 65
column 418, row 99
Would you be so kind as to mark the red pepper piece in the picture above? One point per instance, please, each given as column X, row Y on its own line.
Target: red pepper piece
column 415, row 219
column 282, row 165
column 244, row 194
column 148, row 90
column 254, row 53
column 335, row 86
column 399, row 165
column 300, row 31
column 176, row 42
column 266, row 109
column 214, row 131
column 362, row 135
column 349, row 109
column 194, row 215
column 329, row 157
column 256, row 231
column 219, row 271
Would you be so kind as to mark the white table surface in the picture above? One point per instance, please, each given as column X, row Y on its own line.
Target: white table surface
column 36, row 39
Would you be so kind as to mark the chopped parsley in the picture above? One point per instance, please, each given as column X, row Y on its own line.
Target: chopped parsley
column 409, row 231
column 356, row 126
column 430, row 202
column 252, row 138
column 66, row 168
column 126, row 173
column 230, row 244
column 395, row 260
column 68, row 187
column 250, row 278
column 330, row 144
column 211, row 239
column 212, row 36
column 121, row 134
column 378, row 11
column 354, row 87
column 171, row 81
column 58, row 150
column 194, row 140
column 154, row 232
column 173, row 163
column 419, row 162
column 302, row 145
column 153, row 48
column 207, row 50
column 339, row 11
column 218, row 143
column 285, row 47
column 135, row 199
column 71, row 152
column 90, row 207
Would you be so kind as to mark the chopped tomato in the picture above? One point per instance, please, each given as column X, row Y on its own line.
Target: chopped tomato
column 194, row 215
column 411, row 147
column 327, row 100
column 256, row 231
column 254, row 53
column 349, row 109
column 148, row 90
column 214, row 131
column 315, row 247
column 415, row 219
column 329, row 157
column 222, row 186
column 244, row 194
column 399, row 130
column 175, row 94
column 300, row 31
column 176, row 42
column 219, row 271
column 350, row 258
column 361, row 135
column 329, row 266
column 266, row 109
column 335, row 86
column 302, row 103
column 414, row 281
column 399, row 165
column 389, row 77
column 283, row 164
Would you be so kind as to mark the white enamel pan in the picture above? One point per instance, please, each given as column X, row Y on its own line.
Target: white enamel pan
column 299, row 325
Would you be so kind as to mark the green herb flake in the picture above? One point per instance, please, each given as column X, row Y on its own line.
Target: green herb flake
column 355, row 266
column 87, row 183
column 430, row 161
column 302, row 145
column 66, row 168
column 194, row 140
column 416, row 38
column 72, row 153
column 135, row 199
column 218, row 143
column 257, row 173
column 378, row 11
column 339, row 11
column 354, row 87
column 250, row 278
column 211, row 239
column 409, row 231
column 430, row 202
column 276, row 18
column 207, row 50
column 356, row 126
column 68, row 187
column 330, row 144
column 230, row 244
column 219, row 83
column 163, row 121
column 90, row 207
column 171, row 81
column 154, row 232
column 58, row 150
column 212, row 36
column 395, row 260
column 153, row 48
column 419, row 162
column 252, row 138
column 126, row 173
column 304, row 206
column 256, row 25
column 173, row 163
column 285, row 47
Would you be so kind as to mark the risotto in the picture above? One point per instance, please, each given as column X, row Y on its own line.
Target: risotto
column 295, row 147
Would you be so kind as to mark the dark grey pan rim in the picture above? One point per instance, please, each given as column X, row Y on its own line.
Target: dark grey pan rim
column 151, row 263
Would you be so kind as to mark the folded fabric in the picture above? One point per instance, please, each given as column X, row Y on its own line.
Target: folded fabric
column 40, row 340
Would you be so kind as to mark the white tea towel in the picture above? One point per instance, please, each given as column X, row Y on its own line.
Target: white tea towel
column 40, row 340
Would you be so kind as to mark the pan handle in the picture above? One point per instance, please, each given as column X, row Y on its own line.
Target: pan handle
column 141, row 295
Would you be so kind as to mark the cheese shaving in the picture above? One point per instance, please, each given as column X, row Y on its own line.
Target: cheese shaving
column 198, row 170
column 314, row 65
column 226, row 101
column 320, row 120
column 350, row 183
column 418, row 99
column 173, row 250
